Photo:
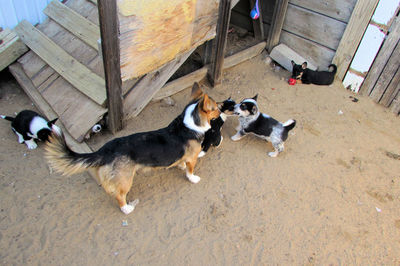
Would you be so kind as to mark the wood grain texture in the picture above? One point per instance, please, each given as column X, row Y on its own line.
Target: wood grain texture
column 317, row 54
column 340, row 10
column 382, row 57
column 73, row 71
column 313, row 26
column 149, row 85
column 395, row 106
column 387, row 75
column 277, row 22
column 11, row 48
column 392, row 90
column 217, row 58
column 81, row 27
column 154, row 32
column 110, row 53
column 352, row 36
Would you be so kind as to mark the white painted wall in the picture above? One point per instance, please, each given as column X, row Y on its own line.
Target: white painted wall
column 13, row 11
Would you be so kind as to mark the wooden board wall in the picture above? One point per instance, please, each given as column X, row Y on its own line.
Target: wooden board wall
column 155, row 32
column 312, row 28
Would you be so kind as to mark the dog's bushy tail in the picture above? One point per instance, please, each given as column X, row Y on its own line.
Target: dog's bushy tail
column 65, row 161
column 9, row 118
column 333, row 67
column 289, row 125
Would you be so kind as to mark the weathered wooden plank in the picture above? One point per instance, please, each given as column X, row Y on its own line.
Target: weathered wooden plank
column 381, row 59
column 258, row 27
column 352, row 36
column 44, row 108
column 395, row 106
column 217, row 61
column 340, row 10
column 277, row 22
column 324, row 30
column 392, row 90
column 187, row 81
column 387, row 74
column 81, row 27
column 316, row 54
column 180, row 84
column 110, row 53
column 11, row 47
column 148, row 86
column 74, row 72
column 154, row 32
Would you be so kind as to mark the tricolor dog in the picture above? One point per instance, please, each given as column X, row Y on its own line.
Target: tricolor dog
column 115, row 164
column 253, row 121
column 29, row 125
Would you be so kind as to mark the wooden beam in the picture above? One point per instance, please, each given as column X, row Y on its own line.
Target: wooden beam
column 64, row 64
column 11, row 47
column 387, row 75
column 111, row 60
column 352, row 36
column 180, row 84
column 187, row 81
column 44, row 108
column 78, row 25
column 278, row 18
column 395, row 106
column 149, row 85
column 258, row 25
column 382, row 58
column 224, row 15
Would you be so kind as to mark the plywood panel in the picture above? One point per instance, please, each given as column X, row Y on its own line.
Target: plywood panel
column 154, row 32
column 337, row 9
column 314, row 27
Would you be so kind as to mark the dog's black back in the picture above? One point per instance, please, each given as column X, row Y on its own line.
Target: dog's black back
column 309, row 76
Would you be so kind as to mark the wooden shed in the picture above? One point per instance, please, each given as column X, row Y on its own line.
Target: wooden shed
column 98, row 57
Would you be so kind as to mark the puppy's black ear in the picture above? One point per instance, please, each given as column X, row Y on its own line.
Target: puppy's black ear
column 304, row 65
column 293, row 63
column 255, row 97
column 52, row 122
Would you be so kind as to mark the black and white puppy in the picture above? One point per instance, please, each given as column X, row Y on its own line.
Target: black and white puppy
column 29, row 125
column 253, row 121
column 307, row 76
column 213, row 136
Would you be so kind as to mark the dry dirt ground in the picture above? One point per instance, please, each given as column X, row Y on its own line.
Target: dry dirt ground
column 332, row 197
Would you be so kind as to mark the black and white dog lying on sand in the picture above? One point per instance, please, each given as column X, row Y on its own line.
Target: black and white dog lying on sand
column 253, row 121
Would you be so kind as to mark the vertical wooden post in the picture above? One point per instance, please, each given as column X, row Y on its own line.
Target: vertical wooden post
column 353, row 34
column 278, row 18
column 258, row 25
column 111, row 60
column 208, row 47
column 224, row 16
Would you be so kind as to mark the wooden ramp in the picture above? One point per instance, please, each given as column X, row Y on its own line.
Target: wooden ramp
column 64, row 65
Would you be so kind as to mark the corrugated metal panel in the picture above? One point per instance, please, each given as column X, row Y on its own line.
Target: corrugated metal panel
column 13, row 11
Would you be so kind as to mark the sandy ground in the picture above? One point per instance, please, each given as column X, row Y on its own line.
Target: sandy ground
column 332, row 197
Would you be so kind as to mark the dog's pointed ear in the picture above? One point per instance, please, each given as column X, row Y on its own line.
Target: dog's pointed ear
column 293, row 63
column 254, row 110
column 304, row 65
column 255, row 97
column 197, row 92
column 52, row 122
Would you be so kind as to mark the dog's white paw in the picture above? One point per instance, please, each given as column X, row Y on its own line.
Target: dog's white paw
column 128, row 208
column 273, row 153
column 31, row 144
column 193, row 178
column 236, row 137
column 201, row 154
